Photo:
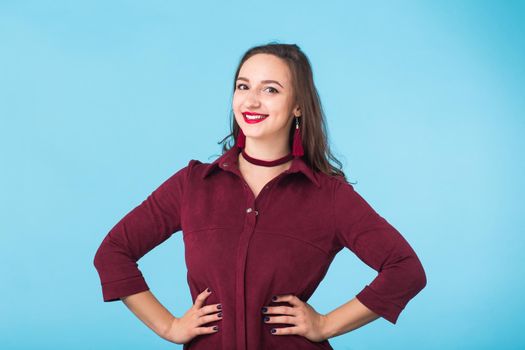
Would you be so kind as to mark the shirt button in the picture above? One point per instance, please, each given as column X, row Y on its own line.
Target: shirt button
column 249, row 210
column 225, row 164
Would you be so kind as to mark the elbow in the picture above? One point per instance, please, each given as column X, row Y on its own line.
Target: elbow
column 419, row 278
column 102, row 255
column 414, row 276
column 422, row 281
column 106, row 253
column 97, row 259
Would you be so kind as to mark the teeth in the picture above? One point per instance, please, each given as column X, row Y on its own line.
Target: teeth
column 253, row 117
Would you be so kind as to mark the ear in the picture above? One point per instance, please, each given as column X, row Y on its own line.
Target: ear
column 297, row 111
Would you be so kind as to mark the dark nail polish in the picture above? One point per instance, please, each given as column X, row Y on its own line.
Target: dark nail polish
column 274, row 298
column 266, row 319
column 208, row 290
column 264, row 309
column 215, row 328
column 274, row 330
column 219, row 306
column 219, row 314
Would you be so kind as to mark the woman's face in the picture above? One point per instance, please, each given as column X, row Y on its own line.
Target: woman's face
column 264, row 87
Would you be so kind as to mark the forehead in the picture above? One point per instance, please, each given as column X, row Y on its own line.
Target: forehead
column 265, row 66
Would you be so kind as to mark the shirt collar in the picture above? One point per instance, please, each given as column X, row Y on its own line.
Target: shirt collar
column 230, row 157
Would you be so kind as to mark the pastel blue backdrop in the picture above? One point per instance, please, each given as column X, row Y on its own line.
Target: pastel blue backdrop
column 101, row 101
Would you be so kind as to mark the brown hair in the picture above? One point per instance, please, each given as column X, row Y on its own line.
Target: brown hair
column 312, row 122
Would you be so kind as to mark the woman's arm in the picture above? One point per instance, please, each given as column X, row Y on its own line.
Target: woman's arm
column 150, row 311
column 312, row 325
column 146, row 226
column 346, row 318
column 381, row 246
column 378, row 244
column 176, row 330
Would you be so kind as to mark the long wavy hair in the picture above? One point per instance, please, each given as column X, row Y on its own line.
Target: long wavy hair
column 312, row 123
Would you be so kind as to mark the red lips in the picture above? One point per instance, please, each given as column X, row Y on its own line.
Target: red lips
column 254, row 113
column 253, row 121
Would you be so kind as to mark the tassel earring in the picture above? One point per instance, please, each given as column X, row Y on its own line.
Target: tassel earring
column 241, row 138
column 297, row 149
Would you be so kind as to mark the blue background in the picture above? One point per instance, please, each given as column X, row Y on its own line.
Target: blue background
column 101, row 101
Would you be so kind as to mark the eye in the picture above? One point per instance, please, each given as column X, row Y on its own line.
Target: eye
column 274, row 91
column 239, row 86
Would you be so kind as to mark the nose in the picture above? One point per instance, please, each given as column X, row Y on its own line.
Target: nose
column 252, row 98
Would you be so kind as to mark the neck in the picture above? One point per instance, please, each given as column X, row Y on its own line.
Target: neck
column 266, row 150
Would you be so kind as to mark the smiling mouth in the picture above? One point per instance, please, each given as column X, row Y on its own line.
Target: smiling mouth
column 255, row 118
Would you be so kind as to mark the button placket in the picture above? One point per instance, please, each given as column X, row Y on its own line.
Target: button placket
column 242, row 250
column 250, row 210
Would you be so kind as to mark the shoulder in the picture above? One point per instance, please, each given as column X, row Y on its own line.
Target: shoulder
column 190, row 169
column 334, row 182
column 195, row 165
column 343, row 193
column 198, row 170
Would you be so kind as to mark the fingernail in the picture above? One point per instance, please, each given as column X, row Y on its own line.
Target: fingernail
column 208, row 290
column 264, row 309
column 266, row 319
column 273, row 330
column 215, row 328
column 219, row 314
column 274, row 298
column 219, row 306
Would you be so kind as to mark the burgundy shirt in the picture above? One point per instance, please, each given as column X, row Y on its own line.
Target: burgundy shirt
column 248, row 249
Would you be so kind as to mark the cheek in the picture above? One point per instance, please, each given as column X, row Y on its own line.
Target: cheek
column 278, row 107
column 237, row 98
column 236, row 106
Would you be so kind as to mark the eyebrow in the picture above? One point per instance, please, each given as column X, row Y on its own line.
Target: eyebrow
column 263, row 81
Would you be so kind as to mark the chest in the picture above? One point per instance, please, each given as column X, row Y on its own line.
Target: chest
column 225, row 227
column 256, row 184
column 256, row 180
column 288, row 204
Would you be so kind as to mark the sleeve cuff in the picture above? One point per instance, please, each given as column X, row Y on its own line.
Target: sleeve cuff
column 113, row 291
column 385, row 309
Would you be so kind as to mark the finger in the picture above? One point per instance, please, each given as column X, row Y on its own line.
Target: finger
column 281, row 319
column 209, row 318
column 290, row 298
column 206, row 330
column 199, row 301
column 285, row 330
column 208, row 309
column 284, row 310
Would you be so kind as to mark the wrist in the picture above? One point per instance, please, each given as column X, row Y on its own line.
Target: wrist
column 326, row 326
column 166, row 330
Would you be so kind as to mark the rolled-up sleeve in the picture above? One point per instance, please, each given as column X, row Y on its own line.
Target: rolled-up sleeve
column 139, row 231
column 379, row 245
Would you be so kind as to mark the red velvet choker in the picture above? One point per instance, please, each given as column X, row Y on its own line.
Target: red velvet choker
column 255, row 161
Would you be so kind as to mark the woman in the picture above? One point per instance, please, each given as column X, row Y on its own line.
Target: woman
column 261, row 225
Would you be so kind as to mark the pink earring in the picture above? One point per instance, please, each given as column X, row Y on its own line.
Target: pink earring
column 241, row 138
column 297, row 149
